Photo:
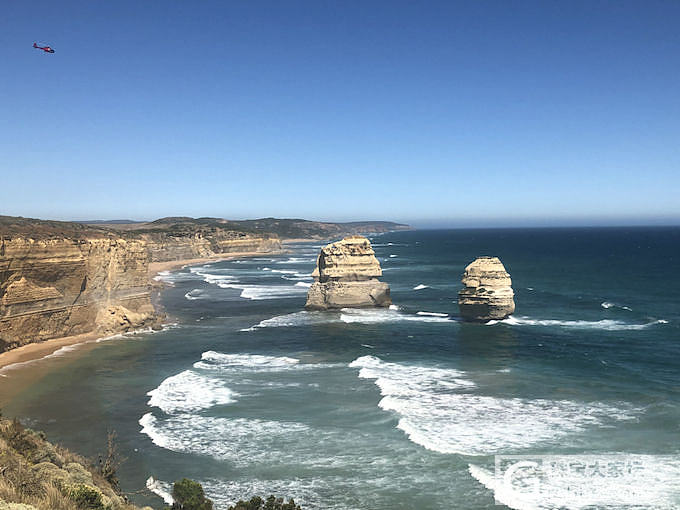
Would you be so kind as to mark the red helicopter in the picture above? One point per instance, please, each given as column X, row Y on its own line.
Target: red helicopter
column 46, row 49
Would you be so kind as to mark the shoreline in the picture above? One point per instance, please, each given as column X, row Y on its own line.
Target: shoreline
column 40, row 350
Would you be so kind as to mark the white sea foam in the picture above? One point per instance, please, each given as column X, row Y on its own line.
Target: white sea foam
column 213, row 276
column 605, row 324
column 212, row 360
column 172, row 277
column 260, row 292
column 607, row 305
column 296, row 260
column 161, row 489
column 303, row 284
column 377, row 316
column 348, row 316
column 393, row 256
column 302, row 318
column 645, row 481
column 190, row 391
column 195, row 294
column 421, row 287
column 66, row 349
column 311, row 492
column 297, row 277
column 436, row 411
column 161, row 276
column 229, row 439
column 433, row 314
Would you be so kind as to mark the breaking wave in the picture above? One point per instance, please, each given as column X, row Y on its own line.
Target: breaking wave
column 260, row 292
column 348, row 316
column 433, row 314
column 212, row 360
column 605, row 324
column 607, row 305
column 651, row 483
column 189, row 391
column 436, row 411
column 377, row 316
column 212, row 275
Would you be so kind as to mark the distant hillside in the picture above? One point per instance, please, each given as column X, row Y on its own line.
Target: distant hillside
column 16, row 226
column 302, row 229
column 179, row 226
column 284, row 228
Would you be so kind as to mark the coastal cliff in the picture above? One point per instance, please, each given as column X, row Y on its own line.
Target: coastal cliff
column 65, row 286
column 61, row 279
column 182, row 240
column 346, row 276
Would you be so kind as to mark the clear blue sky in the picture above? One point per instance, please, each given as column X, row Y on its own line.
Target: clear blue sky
column 436, row 113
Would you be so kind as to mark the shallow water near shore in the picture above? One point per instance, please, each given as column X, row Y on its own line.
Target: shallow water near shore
column 387, row 409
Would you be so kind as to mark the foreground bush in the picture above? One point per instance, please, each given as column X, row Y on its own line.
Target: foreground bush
column 271, row 503
column 41, row 476
column 189, row 495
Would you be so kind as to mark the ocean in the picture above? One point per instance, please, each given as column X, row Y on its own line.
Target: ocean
column 400, row 408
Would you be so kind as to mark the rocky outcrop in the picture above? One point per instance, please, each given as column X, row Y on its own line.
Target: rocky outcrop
column 346, row 276
column 59, row 287
column 488, row 291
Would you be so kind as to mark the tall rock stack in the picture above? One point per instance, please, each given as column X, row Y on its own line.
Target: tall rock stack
column 346, row 276
column 488, row 291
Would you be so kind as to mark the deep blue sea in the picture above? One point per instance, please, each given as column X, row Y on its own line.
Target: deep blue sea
column 405, row 408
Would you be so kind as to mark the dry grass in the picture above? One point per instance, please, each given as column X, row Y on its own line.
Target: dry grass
column 24, row 454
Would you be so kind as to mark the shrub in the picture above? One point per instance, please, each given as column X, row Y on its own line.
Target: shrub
column 189, row 495
column 271, row 503
column 85, row 497
column 109, row 464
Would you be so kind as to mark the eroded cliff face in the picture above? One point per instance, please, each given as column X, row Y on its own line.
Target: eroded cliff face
column 488, row 293
column 346, row 276
column 163, row 247
column 58, row 287
column 60, row 279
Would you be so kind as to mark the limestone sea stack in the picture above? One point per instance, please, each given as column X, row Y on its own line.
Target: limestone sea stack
column 488, row 291
column 346, row 275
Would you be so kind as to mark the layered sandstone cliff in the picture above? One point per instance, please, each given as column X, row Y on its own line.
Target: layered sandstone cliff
column 66, row 286
column 488, row 293
column 164, row 247
column 61, row 278
column 346, row 276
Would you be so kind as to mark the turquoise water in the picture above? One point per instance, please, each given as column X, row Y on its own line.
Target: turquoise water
column 391, row 409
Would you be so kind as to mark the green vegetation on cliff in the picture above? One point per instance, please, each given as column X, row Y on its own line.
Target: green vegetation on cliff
column 36, row 475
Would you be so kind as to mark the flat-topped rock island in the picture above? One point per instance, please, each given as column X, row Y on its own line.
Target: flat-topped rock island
column 346, row 276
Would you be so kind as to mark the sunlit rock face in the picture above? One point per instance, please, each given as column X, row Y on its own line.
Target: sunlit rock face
column 346, row 275
column 62, row 286
column 488, row 293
